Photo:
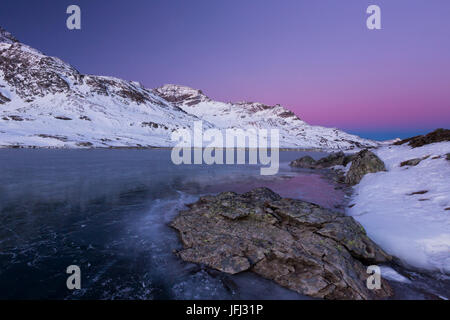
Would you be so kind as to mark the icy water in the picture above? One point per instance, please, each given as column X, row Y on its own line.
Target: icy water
column 107, row 211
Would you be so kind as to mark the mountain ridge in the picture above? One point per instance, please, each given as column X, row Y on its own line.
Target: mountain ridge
column 46, row 102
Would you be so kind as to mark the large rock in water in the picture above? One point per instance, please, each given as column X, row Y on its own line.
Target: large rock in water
column 364, row 162
column 299, row 245
column 334, row 159
column 304, row 162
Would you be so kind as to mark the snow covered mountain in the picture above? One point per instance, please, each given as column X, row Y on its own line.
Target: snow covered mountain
column 294, row 132
column 45, row 102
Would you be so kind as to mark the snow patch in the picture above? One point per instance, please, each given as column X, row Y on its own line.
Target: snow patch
column 404, row 209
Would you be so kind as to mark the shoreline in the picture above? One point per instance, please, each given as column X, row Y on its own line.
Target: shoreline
column 169, row 148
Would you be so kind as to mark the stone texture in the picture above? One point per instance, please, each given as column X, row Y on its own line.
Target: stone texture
column 437, row 135
column 297, row 244
column 411, row 162
column 334, row 159
column 304, row 162
column 364, row 162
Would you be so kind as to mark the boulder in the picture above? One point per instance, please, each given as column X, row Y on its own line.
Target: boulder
column 411, row 162
column 334, row 159
column 438, row 135
column 304, row 162
column 364, row 162
column 297, row 244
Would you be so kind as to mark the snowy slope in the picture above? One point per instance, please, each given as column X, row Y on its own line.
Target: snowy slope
column 294, row 133
column 45, row 102
column 399, row 215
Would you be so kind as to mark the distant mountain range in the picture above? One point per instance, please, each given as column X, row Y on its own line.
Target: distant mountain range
column 45, row 102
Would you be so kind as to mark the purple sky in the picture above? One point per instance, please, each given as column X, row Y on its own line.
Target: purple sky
column 315, row 57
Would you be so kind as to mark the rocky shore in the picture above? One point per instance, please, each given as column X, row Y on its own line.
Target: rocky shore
column 360, row 164
column 299, row 245
column 304, row 247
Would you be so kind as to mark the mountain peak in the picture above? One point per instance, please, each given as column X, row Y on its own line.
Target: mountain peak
column 46, row 102
column 6, row 37
column 178, row 94
column 179, row 89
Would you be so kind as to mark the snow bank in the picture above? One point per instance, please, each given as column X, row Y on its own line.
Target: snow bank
column 413, row 227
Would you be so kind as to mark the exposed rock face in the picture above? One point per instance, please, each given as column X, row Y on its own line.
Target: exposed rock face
column 293, row 131
column 299, row 245
column 37, row 87
column 334, row 159
column 6, row 37
column 363, row 163
column 413, row 162
column 437, row 135
column 304, row 162
column 3, row 99
column 448, row 156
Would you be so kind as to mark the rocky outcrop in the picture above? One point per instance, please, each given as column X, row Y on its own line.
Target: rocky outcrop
column 4, row 99
column 293, row 131
column 299, row 245
column 304, row 162
column 38, row 87
column 334, row 159
column 6, row 37
column 364, row 162
column 438, row 135
column 361, row 163
column 413, row 162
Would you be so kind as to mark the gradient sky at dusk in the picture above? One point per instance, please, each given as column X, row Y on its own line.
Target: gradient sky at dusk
column 314, row 57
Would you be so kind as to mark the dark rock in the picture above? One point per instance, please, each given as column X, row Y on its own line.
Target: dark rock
column 48, row 136
column 304, row 162
column 299, row 245
column 85, row 118
column 412, row 162
column 153, row 125
column 16, row 118
column 84, row 144
column 4, row 99
column 6, row 37
column 334, row 159
column 448, row 156
column 438, row 135
column 364, row 162
column 418, row 192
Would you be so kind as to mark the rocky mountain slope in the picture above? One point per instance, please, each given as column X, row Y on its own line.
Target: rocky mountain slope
column 45, row 102
column 293, row 131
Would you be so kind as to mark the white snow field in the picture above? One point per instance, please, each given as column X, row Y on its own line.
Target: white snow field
column 413, row 227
